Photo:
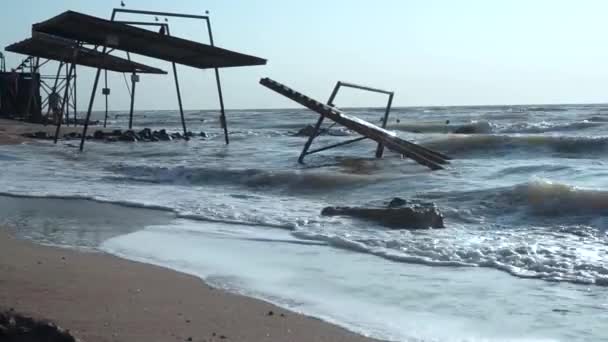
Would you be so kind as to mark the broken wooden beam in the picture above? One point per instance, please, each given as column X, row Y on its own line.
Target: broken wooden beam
column 420, row 154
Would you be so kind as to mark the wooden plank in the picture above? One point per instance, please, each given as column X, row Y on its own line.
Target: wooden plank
column 421, row 155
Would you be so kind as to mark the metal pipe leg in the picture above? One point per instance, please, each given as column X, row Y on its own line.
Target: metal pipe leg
column 312, row 137
column 223, row 115
column 63, row 102
column 133, row 82
column 91, row 101
column 380, row 149
column 105, row 118
column 179, row 101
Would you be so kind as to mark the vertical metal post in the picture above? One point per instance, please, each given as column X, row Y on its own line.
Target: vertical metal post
column 219, row 88
column 64, row 101
column 68, row 74
column 33, row 69
column 179, row 100
column 105, row 119
column 380, row 149
column 179, row 94
column 90, row 109
column 133, row 83
column 315, row 133
column 75, row 96
column 55, row 86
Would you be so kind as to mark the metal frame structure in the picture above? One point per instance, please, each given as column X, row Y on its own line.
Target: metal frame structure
column 330, row 102
column 116, row 11
column 2, row 63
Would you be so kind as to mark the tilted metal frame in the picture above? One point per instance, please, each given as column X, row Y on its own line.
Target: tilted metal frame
column 163, row 14
column 330, row 102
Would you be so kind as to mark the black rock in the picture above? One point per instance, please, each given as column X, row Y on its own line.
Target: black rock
column 116, row 132
column 189, row 134
column 397, row 202
column 41, row 135
column 129, row 136
column 145, row 134
column 399, row 214
column 98, row 135
column 465, row 130
column 203, row 135
column 306, row 131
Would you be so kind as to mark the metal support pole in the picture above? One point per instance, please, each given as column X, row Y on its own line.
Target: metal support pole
column 312, row 137
column 179, row 93
column 105, row 119
column 33, row 69
column 133, row 83
column 68, row 73
column 219, row 88
column 75, row 97
column 90, row 109
column 315, row 133
column 380, row 149
column 179, row 101
column 55, row 86
column 63, row 102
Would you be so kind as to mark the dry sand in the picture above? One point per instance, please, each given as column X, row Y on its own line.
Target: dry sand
column 99, row 297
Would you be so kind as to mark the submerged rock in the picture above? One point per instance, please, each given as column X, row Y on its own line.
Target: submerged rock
column 396, row 214
column 306, row 131
column 98, row 135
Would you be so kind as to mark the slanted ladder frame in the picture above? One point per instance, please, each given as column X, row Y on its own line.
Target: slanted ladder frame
column 330, row 102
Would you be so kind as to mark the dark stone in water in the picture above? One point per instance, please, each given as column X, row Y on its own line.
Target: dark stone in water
column 189, row 134
column 117, row 132
column 176, row 135
column 98, row 135
column 73, row 135
column 465, row 130
column 129, row 136
column 397, row 202
column 145, row 134
column 162, row 135
column 41, row 135
column 203, row 135
column 18, row 328
column 398, row 214
column 306, row 131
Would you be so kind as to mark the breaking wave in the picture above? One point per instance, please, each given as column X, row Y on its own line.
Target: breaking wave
column 487, row 127
column 296, row 180
column 464, row 144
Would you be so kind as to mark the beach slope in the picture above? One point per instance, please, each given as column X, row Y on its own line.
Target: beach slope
column 99, row 297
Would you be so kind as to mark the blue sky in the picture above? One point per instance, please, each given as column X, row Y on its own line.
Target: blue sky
column 433, row 52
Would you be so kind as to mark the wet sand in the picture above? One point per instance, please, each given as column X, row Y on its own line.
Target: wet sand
column 11, row 130
column 99, row 297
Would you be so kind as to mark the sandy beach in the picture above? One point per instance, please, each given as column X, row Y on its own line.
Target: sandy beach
column 99, row 297
column 11, row 130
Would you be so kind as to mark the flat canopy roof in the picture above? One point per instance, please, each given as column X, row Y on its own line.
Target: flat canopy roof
column 94, row 30
column 59, row 49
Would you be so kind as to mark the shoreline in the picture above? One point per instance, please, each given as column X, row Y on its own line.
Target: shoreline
column 11, row 131
column 101, row 297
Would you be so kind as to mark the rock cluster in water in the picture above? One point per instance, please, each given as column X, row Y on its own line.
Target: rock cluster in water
column 145, row 135
column 396, row 214
column 309, row 130
column 18, row 328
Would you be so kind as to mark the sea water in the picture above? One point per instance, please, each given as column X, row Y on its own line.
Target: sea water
column 524, row 256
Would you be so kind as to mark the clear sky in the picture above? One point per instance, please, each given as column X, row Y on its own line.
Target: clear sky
column 431, row 52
